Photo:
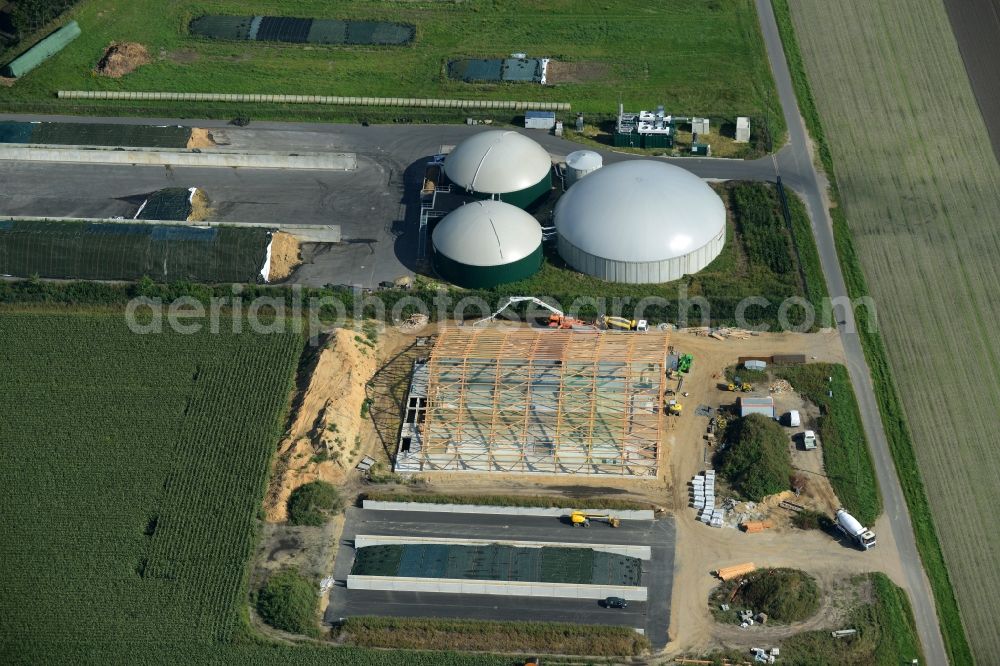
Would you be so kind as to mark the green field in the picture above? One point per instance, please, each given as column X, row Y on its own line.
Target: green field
column 886, row 633
column 131, row 472
column 920, row 206
column 697, row 57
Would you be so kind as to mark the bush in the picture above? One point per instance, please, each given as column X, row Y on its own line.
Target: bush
column 785, row 595
column 756, row 460
column 487, row 635
column 288, row 601
column 313, row 503
column 812, row 520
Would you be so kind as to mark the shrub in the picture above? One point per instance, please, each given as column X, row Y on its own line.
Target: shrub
column 785, row 595
column 288, row 601
column 756, row 460
column 313, row 503
column 812, row 520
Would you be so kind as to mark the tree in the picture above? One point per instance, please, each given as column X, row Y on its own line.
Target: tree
column 757, row 461
column 288, row 601
column 313, row 503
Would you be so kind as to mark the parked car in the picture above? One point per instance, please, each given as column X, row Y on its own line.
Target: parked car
column 615, row 602
column 809, row 440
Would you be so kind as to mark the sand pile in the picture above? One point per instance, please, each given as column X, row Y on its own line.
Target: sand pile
column 285, row 256
column 323, row 432
column 122, row 58
column 200, row 138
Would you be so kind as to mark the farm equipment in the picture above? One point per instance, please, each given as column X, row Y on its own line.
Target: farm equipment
column 581, row 519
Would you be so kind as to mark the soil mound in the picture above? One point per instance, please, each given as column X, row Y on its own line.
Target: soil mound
column 120, row 58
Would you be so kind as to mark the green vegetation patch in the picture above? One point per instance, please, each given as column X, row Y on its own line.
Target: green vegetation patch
column 474, row 635
column 528, row 501
column 122, row 251
column 784, row 595
column 289, row 601
column 886, row 634
column 756, row 459
column 846, row 457
column 313, row 503
column 639, row 57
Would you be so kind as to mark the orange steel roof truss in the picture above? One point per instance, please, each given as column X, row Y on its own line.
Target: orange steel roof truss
column 545, row 401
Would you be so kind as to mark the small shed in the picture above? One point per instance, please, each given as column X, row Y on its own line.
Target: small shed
column 755, row 364
column 544, row 120
column 756, row 405
column 700, row 126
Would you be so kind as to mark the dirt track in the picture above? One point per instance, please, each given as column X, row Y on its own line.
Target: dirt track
column 976, row 25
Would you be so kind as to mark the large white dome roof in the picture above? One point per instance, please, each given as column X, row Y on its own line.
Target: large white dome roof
column 640, row 211
column 487, row 233
column 496, row 162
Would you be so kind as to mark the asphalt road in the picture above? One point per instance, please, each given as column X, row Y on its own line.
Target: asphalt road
column 796, row 167
column 653, row 617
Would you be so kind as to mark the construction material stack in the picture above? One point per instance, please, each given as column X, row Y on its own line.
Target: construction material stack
column 703, row 498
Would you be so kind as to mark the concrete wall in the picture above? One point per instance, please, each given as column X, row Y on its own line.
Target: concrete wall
column 500, row 588
column 639, row 552
column 315, row 99
column 500, row 510
column 178, row 157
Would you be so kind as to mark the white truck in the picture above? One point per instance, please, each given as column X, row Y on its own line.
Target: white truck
column 809, row 440
column 850, row 526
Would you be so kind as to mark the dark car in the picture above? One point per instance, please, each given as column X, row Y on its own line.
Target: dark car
column 615, row 602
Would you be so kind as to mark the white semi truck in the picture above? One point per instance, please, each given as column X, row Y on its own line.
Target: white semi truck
column 850, row 526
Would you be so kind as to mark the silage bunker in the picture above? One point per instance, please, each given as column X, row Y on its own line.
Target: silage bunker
column 302, row 30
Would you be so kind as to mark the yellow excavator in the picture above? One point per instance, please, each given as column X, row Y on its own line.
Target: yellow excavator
column 581, row 519
column 674, row 408
column 746, row 387
column 623, row 324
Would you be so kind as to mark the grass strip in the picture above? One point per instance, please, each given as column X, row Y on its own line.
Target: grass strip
column 526, row 501
column 846, row 456
column 486, row 635
column 886, row 393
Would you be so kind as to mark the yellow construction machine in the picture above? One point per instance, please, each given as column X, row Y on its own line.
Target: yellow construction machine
column 674, row 408
column 746, row 387
column 623, row 324
column 581, row 519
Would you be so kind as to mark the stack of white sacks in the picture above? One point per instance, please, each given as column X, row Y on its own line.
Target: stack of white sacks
column 703, row 498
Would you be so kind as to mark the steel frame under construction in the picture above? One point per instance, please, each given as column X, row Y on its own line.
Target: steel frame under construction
column 540, row 401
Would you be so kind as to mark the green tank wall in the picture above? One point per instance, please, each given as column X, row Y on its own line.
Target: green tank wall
column 520, row 198
column 481, row 277
column 42, row 51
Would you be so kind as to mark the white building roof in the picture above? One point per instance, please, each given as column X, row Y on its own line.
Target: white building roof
column 639, row 211
column 487, row 233
column 497, row 161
